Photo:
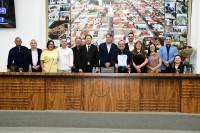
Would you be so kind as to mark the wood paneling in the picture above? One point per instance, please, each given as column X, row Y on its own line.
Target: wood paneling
column 18, row 93
column 132, row 95
column 99, row 95
column 190, row 98
column 100, row 92
column 160, row 95
column 63, row 94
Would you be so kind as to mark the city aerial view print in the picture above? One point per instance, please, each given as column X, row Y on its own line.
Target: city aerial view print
column 149, row 20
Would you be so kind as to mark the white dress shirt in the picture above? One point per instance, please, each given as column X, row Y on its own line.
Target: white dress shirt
column 88, row 46
column 131, row 47
column 34, row 57
column 108, row 47
column 65, row 61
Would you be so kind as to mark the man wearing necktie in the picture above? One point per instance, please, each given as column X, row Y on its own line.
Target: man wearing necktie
column 88, row 48
column 88, row 56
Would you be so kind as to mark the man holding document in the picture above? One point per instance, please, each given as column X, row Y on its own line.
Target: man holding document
column 121, row 58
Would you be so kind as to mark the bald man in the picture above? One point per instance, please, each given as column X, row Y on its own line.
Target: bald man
column 16, row 56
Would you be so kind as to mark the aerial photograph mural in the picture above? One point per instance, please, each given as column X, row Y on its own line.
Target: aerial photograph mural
column 149, row 20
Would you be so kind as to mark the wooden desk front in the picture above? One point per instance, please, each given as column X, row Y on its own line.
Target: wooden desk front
column 100, row 92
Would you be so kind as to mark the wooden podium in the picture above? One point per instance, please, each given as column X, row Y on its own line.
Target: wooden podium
column 100, row 92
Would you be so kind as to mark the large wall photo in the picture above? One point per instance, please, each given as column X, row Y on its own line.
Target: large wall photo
column 59, row 12
column 150, row 20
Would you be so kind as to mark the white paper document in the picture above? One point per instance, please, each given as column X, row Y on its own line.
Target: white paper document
column 122, row 60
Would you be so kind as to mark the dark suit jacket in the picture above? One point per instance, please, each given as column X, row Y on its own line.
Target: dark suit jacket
column 84, row 57
column 114, row 59
column 173, row 70
column 75, row 53
column 28, row 60
column 117, row 52
column 104, row 56
column 127, row 47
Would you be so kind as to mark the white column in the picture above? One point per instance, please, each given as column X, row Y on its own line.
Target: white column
column 195, row 35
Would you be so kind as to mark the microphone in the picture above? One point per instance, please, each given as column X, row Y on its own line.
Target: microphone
column 51, row 65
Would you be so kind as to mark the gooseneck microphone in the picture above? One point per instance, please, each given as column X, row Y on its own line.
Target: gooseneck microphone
column 51, row 65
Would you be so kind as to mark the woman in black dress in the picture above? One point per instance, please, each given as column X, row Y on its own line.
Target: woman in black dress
column 177, row 66
column 139, row 58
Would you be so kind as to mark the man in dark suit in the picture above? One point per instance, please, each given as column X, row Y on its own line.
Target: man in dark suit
column 126, row 62
column 130, row 44
column 105, row 51
column 88, row 56
column 78, row 43
column 32, row 57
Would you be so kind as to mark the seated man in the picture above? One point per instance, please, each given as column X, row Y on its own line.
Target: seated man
column 121, row 58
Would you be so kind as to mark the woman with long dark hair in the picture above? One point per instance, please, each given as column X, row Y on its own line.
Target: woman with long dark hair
column 177, row 65
column 139, row 58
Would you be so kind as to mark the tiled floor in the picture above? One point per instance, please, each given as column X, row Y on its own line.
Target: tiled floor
column 83, row 130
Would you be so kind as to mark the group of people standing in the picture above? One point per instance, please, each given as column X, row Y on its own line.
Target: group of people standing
column 123, row 57
column 38, row 60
